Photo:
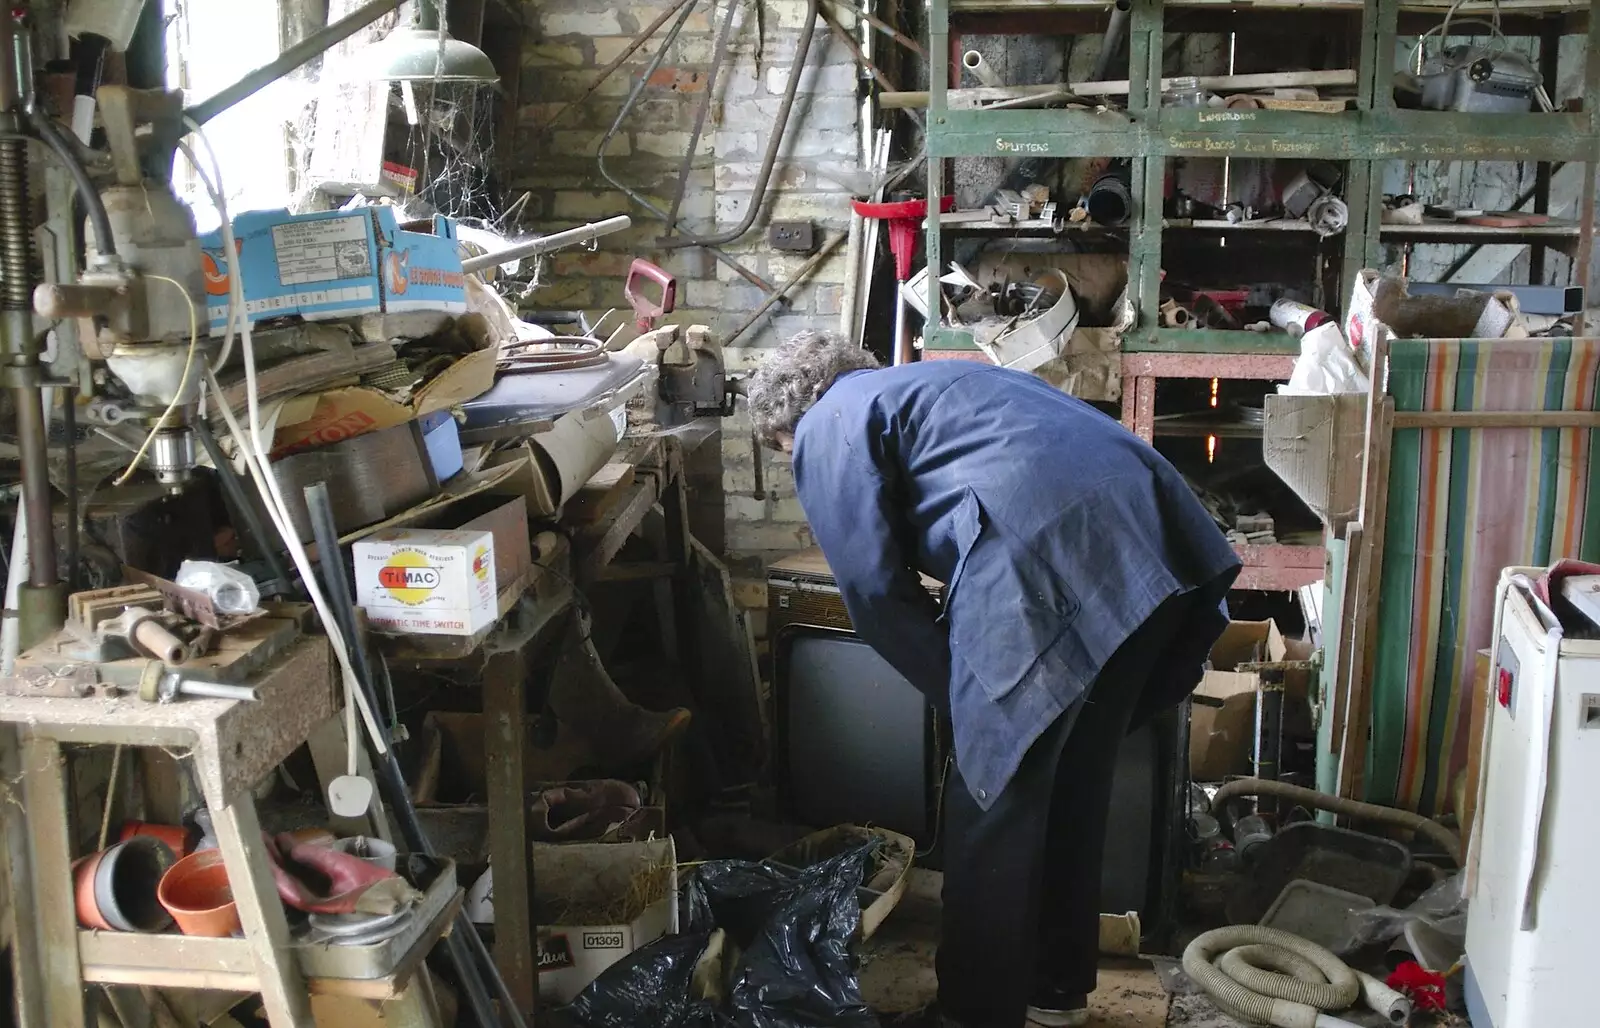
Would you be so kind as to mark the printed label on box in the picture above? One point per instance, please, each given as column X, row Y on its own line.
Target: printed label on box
column 321, row 251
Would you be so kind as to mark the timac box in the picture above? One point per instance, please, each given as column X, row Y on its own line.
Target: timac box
column 427, row 581
column 335, row 264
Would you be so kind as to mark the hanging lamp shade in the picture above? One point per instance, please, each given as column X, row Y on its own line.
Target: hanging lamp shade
column 426, row 53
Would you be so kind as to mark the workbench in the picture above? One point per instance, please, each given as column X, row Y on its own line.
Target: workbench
column 232, row 746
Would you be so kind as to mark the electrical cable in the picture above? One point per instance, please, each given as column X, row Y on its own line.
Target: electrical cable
column 183, row 382
column 258, row 463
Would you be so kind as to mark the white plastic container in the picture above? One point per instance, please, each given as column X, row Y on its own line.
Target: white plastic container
column 1533, row 923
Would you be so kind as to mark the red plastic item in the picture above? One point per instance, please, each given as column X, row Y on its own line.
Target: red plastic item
column 1425, row 988
column 320, row 879
column 645, row 311
column 905, row 222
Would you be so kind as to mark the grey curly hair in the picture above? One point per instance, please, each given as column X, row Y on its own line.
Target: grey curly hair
column 794, row 378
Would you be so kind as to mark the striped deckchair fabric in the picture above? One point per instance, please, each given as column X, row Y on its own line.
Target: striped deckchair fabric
column 1462, row 504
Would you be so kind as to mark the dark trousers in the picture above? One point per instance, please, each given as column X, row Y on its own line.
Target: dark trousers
column 1022, row 879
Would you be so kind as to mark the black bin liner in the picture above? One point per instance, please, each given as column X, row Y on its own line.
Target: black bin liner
column 791, row 933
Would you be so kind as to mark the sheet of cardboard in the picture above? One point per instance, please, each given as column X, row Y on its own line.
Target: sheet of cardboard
column 1220, row 738
column 328, row 417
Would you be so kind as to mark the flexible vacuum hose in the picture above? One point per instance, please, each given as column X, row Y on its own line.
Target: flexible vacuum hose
column 1443, row 837
column 1266, row 976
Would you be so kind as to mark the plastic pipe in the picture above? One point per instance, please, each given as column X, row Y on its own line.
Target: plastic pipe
column 1442, row 836
column 981, row 70
column 1265, row 976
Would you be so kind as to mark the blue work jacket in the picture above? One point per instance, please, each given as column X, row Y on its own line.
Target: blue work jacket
column 1055, row 530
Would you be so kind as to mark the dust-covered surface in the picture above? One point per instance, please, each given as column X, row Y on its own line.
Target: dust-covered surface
column 897, row 974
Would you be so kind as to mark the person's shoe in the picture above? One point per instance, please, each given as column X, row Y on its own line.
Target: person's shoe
column 1053, row 1009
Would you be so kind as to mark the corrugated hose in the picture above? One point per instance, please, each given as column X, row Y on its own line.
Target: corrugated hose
column 1267, row 976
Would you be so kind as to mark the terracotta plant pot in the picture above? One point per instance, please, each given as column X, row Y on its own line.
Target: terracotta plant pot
column 197, row 895
column 179, row 838
column 116, row 888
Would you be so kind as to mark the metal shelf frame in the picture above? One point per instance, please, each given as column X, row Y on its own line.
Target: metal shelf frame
column 1148, row 134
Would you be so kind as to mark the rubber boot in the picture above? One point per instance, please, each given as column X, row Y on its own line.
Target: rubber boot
column 582, row 695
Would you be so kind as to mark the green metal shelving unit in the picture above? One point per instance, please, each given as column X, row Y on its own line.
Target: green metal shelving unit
column 1374, row 132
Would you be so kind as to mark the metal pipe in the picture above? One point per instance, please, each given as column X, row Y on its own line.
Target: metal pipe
column 69, row 426
column 546, row 244
column 628, row 51
column 719, row 57
column 627, row 106
column 29, row 401
column 780, row 127
column 1116, row 28
column 799, row 276
column 308, row 48
column 217, row 690
column 245, row 504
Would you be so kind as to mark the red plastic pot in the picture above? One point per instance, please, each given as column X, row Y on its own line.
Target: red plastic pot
column 197, row 894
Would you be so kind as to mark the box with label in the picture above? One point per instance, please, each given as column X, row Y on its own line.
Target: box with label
column 596, row 903
column 335, row 264
column 425, row 581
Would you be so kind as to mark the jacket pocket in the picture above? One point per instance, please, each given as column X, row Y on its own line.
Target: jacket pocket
column 1006, row 609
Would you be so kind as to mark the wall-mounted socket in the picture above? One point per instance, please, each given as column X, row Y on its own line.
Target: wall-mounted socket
column 792, row 236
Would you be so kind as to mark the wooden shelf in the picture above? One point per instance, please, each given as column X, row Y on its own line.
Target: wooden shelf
column 1278, row 567
column 172, row 961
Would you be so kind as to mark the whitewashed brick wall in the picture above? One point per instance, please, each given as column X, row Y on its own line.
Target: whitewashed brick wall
column 817, row 172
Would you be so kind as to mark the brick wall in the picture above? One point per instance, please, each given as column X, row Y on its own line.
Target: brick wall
column 817, row 171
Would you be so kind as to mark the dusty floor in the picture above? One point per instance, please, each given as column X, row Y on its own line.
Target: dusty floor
column 897, row 969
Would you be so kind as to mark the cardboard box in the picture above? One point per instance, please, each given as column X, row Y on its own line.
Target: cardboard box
column 318, row 419
column 334, row 264
column 424, row 581
column 1475, row 316
column 1221, row 738
column 506, row 518
column 1314, row 444
column 636, row 880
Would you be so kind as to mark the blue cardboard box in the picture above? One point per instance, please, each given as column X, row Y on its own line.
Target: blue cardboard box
column 335, row 264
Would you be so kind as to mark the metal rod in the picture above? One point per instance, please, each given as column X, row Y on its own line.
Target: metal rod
column 35, row 485
column 628, row 51
column 887, row 29
column 312, row 46
column 69, row 426
column 245, row 504
column 1116, row 28
column 217, row 690
column 758, row 189
column 546, row 244
column 719, row 57
column 800, row 276
column 684, row 9
column 855, row 51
